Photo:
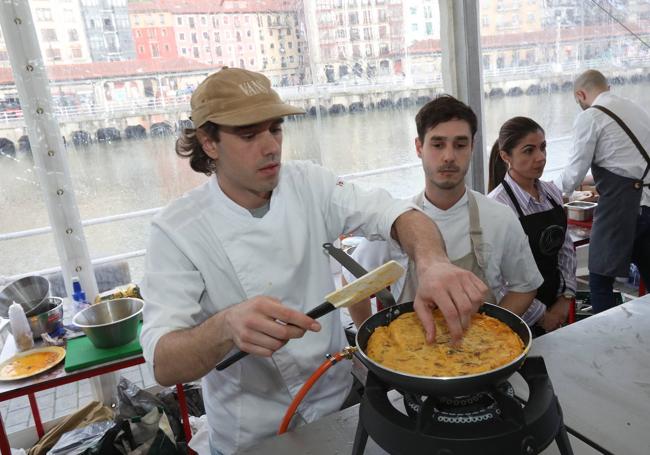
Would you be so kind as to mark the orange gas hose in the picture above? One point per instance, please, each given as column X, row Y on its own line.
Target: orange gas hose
column 326, row 365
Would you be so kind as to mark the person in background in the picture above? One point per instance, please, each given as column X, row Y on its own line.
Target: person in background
column 516, row 165
column 612, row 137
column 481, row 236
column 236, row 263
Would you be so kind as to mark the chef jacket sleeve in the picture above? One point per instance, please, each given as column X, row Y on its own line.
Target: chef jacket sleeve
column 171, row 288
column 585, row 138
column 518, row 266
column 350, row 209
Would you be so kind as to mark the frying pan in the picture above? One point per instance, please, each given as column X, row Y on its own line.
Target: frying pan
column 441, row 386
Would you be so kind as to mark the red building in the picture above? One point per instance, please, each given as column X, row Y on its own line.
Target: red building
column 152, row 26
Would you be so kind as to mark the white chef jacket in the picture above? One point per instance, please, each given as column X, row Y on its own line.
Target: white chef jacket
column 598, row 138
column 207, row 253
column 510, row 265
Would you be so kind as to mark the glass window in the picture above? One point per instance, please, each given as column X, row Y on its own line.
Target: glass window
column 529, row 70
column 120, row 122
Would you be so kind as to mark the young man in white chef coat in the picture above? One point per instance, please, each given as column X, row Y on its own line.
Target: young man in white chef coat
column 481, row 235
column 237, row 262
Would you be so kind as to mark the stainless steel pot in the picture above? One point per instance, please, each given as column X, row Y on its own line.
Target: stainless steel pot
column 580, row 210
column 49, row 320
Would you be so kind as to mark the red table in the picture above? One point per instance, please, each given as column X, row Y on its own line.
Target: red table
column 57, row 377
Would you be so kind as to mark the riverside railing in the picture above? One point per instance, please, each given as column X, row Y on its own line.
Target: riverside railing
column 152, row 211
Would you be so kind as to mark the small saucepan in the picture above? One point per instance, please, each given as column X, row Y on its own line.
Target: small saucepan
column 441, row 386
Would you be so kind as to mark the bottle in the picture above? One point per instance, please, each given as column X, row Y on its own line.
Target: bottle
column 78, row 296
column 20, row 328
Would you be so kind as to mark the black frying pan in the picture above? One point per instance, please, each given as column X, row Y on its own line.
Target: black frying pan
column 441, row 386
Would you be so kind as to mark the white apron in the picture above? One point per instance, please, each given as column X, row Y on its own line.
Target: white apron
column 298, row 261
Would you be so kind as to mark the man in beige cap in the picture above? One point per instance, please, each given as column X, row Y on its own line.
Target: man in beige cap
column 237, row 262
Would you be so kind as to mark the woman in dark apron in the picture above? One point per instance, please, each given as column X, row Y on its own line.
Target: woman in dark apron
column 517, row 162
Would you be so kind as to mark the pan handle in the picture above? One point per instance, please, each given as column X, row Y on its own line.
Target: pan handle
column 356, row 269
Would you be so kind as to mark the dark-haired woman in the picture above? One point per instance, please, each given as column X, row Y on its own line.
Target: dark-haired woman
column 517, row 162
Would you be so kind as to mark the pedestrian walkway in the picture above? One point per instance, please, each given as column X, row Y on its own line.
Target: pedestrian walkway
column 63, row 400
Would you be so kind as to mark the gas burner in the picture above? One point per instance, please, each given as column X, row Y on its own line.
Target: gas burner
column 490, row 422
column 479, row 407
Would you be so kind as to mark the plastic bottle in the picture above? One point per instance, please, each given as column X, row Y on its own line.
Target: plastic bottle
column 78, row 296
column 20, row 328
column 635, row 276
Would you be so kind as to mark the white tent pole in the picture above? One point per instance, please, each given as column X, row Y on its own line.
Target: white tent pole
column 462, row 71
column 50, row 159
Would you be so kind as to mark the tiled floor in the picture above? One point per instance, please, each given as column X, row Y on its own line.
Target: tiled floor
column 62, row 400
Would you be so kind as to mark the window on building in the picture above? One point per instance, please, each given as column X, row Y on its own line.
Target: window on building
column 155, row 51
column 44, row 14
column 179, row 20
column 73, row 35
column 53, row 54
column 195, row 52
column 49, row 35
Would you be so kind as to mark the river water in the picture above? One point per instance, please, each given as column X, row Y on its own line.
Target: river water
column 125, row 176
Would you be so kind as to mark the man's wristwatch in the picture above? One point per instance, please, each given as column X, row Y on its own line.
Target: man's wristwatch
column 569, row 295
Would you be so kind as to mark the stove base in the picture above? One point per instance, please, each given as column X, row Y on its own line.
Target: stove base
column 520, row 429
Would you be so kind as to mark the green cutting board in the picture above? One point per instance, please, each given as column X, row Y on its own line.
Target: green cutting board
column 81, row 353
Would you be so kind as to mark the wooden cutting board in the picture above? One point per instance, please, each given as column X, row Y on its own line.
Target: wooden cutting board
column 81, row 353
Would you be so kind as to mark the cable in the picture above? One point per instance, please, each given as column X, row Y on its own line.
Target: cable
column 620, row 23
column 326, row 365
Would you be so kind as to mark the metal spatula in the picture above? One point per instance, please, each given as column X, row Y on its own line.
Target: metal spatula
column 350, row 294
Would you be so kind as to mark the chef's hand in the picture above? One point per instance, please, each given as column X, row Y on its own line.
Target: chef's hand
column 457, row 292
column 262, row 325
column 557, row 315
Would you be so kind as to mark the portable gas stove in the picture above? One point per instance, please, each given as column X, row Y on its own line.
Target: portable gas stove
column 492, row 421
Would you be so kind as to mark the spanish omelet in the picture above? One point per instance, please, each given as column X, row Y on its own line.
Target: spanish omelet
column 401, row 346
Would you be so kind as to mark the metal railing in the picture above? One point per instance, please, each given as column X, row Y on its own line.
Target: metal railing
column 352, row 86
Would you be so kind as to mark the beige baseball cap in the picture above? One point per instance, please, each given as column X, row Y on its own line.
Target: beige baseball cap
column 237, row 97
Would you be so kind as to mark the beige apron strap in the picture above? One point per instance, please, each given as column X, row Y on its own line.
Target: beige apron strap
column 475, row 231
column 473, row 261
